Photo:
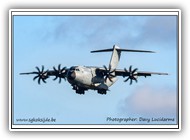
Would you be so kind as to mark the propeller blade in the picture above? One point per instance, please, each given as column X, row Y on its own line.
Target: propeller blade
column 39, row 81
column 38, row 69
column 42, row 68
column 54, row 69
column 130, row 68
column 44, row 80
column 125, row 70
column 134, row 70
column 63, row 69
column 106, row 78
column 135, row 80
column 112, row 71
column 35, row 77
column 55, row 78
column 105, row 67
column 110, row 79
column 131, row 81
column 59, row 79
column 59, row 66
column 64, row 78
column 46, row 73
column 127, row 79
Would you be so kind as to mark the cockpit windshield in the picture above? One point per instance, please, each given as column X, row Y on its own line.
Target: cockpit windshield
column 74, row 68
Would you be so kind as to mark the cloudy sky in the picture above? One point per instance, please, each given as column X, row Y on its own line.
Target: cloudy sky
column 68, row 40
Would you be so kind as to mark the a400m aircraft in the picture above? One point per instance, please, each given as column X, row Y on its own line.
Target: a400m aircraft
column 83, row 78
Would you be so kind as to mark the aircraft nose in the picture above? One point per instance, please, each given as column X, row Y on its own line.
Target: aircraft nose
column 71, row 75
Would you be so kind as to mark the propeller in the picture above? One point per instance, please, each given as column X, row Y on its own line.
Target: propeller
column 132, row 75
column 41, row 74
column 108, row 73
column 59, row 73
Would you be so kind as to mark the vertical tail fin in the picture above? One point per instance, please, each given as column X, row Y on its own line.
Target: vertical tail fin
column 116, row 53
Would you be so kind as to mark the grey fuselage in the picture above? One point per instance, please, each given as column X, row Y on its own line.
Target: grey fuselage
column 88, row 77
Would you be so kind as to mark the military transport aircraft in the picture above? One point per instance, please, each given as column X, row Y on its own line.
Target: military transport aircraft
column 83, row 78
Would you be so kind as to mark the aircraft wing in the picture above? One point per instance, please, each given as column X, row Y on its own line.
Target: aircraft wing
column 119, row 72
column 124, row 72
column 131, row 74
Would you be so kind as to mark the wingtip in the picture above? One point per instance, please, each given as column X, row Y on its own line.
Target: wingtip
column 26, row 73
column 151, row 51
column 21, row 73
column 164, row 74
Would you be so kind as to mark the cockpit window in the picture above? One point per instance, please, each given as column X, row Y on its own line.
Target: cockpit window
column 72, row 68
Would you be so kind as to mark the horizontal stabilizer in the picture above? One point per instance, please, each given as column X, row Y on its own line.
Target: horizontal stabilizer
column 121, row 50
column 104, row 50
column 128, row 50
